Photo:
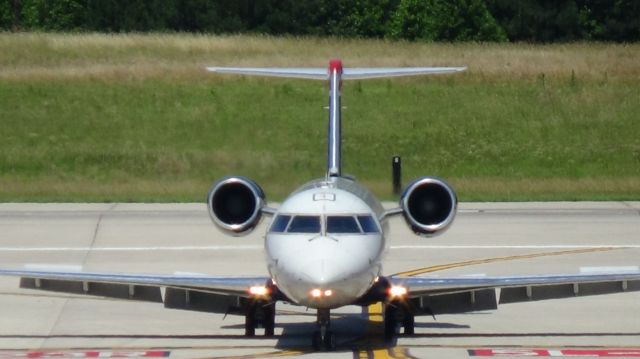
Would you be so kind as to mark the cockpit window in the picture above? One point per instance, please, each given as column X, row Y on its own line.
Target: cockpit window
column 304, row 224
column 368, row 224
column 280, row 224
column 342, row 224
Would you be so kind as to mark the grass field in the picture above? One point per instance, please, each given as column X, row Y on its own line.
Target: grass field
column 136, row 117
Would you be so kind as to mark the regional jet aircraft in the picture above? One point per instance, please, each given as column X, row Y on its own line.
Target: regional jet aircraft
column 324, row 245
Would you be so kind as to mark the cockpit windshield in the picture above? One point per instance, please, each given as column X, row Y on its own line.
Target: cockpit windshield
column 368, row 224
column 342, row 224
column 304, row 224
column 280, row 224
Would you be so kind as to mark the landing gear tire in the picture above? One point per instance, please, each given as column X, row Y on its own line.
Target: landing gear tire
column 316, row 341
column 396, row 314
column 390, row 322
column 409, row 323
column 269, row 319
column 250, row 321
column 260, row 314
column 329, row 341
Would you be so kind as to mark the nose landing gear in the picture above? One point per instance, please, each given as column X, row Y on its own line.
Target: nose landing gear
column 323, row 337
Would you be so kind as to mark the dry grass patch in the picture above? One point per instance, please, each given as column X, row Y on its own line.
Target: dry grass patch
column 36, row 56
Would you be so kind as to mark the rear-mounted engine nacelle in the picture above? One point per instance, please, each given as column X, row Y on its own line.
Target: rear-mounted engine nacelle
column 429, row 206
column 235, row 205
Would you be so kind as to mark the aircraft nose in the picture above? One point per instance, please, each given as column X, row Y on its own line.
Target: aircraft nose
column 329, row 262
column 321, row 272
column 341, row 267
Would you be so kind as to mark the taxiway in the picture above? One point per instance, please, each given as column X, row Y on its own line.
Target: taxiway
column 486, row 239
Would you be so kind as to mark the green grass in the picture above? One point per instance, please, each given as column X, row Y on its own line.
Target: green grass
column 136, row 118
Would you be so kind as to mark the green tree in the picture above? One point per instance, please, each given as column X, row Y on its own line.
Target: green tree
column 197, row 16
column 6, row 15
column 607, row 20
column 130, row 15
column 538, row 20
column 58, row 15
column 357, row 18
column 440, row 20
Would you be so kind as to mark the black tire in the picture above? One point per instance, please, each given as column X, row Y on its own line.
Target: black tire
column 409, row 323
column 316, row 341
column 390, row 323
column 269, row 320
column 249, row 328
column 329, row 341
column 250, row 322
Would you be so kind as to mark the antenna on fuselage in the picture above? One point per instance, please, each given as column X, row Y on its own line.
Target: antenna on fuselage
column 335, row 75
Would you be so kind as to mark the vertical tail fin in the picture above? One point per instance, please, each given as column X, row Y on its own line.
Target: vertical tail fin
column 334, row 75
column 334, row 150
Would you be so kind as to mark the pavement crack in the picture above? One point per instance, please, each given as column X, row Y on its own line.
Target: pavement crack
column 84, row 261
column 95, row 232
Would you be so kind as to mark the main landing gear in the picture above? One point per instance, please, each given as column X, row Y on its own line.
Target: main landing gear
column 260, row 314
column 398, row 314
column 323, row 337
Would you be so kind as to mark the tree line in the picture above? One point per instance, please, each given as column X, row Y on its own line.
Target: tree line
column 420, row 20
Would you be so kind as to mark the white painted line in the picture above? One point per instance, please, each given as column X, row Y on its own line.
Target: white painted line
column 55, row 267
column 189, row 273
column 474, row 275
column 132, row 249
column 612, row 269
column 260, row 247
column 526, row 246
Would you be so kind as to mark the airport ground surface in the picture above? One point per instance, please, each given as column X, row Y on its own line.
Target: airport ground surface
column 496, row 238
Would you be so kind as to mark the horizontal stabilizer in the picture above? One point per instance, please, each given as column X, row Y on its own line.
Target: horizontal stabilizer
column 317, row 73
column 301, row 73
column 360, row 73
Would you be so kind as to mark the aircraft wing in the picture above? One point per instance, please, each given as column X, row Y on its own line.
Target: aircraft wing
column 433, row 295
column 181, row 291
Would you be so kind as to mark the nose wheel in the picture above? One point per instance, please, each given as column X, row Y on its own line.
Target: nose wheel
column 323, row 337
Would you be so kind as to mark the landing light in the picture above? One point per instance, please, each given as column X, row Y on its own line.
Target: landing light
column 318, row 293
column 396, row 291
column 259, row 291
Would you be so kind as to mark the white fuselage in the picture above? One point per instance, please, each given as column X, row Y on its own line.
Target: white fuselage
column 326, row 239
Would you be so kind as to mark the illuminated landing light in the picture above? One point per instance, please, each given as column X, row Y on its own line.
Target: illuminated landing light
column 397, row 291
column 319, row 293
column 258, row 291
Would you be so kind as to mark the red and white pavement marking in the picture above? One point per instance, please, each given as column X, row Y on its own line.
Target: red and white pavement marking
column 85, row 354
column 521, row 352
